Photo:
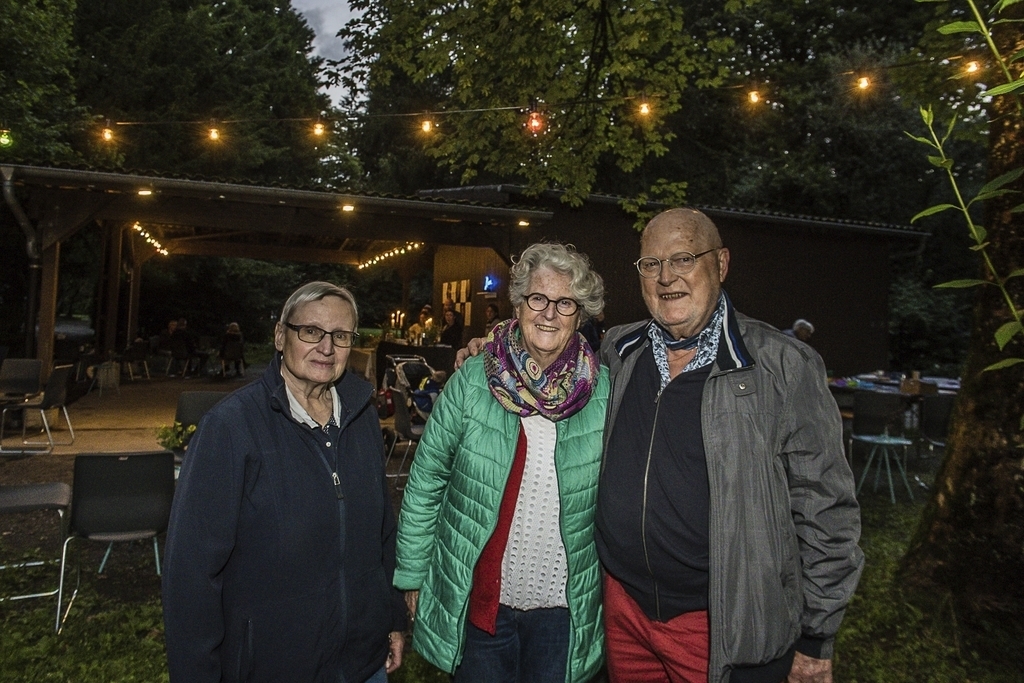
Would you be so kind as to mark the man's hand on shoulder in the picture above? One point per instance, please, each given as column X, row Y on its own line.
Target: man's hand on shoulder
column 473, row 348
column 810, row 670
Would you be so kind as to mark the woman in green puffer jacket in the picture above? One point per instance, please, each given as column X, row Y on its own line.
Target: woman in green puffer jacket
column 496, row 534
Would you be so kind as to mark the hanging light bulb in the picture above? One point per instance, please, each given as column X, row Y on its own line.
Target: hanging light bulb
column 318, row 128
column 645, row 109
column 426, row 125
column 972, row 67
column 214, row 134
column 754, row 96
column 535, row 124
column 5, row 138
column 863, row 83
column 107, row 133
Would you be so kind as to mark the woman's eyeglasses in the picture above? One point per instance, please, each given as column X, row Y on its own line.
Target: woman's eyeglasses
column 312, row 335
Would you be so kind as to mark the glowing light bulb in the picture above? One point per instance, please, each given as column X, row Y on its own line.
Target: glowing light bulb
column 107, row 135
column 972, row 67
column 318, row 128
column 863, row 83
column 427, row 125
column 145, row 193
column 214, row 134
column 645, row 109
column 535, row 124
column 754, row 96
column 348, row 207
column 5, row 138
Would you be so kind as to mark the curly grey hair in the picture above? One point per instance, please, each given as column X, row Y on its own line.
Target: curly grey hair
column 315, row 291
column 586, row 285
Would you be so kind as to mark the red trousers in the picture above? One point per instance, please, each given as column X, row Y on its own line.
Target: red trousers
column 644, row 651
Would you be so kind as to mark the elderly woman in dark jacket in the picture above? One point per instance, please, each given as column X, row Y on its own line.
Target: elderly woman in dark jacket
column 281, row 547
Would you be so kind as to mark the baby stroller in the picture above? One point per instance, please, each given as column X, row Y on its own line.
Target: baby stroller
column 411, row 376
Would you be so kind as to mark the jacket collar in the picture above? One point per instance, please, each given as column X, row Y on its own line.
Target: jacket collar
column 732, row 352
column 354, row 393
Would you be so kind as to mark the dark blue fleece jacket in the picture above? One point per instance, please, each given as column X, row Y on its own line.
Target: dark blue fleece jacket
column 272, row 572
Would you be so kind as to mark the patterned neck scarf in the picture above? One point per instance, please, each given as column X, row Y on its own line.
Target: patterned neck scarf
column 705, row 341
column 519, row 384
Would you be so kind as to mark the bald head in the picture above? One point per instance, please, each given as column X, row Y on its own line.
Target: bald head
column 692, row 225
column 683, row 300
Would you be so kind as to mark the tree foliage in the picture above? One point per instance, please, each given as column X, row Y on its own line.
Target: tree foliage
column 584, row 67
column 242, row 66
column 37, row 101
column 969, row 548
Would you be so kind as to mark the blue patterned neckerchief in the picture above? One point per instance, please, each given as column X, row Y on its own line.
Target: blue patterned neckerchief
column 705, row 341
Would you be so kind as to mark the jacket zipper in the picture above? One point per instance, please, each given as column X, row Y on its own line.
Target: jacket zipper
column 643, row 509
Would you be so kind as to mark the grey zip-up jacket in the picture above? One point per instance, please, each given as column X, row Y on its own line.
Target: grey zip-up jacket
column 784, row 521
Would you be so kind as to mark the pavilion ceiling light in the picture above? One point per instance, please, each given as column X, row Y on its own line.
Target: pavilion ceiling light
column 397, row 251
column 524, row 223
column 348, row 207
column 145, row 192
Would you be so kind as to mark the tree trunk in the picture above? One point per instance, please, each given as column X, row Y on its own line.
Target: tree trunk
column 968, row 551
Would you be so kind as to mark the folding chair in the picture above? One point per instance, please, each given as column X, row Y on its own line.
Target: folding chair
column 117, row 497
column 54, row 496
column 54, row 396
column 405, row 431
column 19, row 381
column 877, row 421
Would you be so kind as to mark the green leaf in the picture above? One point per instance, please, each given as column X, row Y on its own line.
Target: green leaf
column 1003, row 4
column 979, row 247
column 932, row 210
column 985, row 196
column 1005, row 363
column 1006, row 88
column 927, row 116
column 940, row 162
column 1013, row 58
column 961, row 27
column 920, row 139
column 949, row 128
column 980, row 233
column 1004, row 179
column 1006, row 332
column 1017, row 209
column 961, row 284
column 1016, row 273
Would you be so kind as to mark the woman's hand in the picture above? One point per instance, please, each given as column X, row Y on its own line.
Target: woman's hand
column 473, row 348
column 411, row 599
column 396, row 646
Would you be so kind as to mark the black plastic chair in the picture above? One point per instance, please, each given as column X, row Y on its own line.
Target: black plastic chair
column 55, row 496
column 935, row 412
column 878, row 422
column 137, row 353
column 117, row 497
column 192, row 405
column 405, row 431
column 21, row 377
column 54, row 396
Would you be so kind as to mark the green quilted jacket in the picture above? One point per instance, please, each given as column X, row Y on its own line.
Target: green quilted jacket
column 451, row 506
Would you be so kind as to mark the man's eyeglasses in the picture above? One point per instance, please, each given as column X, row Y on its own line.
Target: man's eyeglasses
column 312, row 335
column 682, row 263
column 565, row 306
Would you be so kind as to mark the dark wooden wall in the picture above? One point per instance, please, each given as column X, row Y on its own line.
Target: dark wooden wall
column 836, row 276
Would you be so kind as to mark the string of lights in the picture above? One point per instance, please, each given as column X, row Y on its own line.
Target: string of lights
column 397, row 251
column 535, row 122
column 150, row 239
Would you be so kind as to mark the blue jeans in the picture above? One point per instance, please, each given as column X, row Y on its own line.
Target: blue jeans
column 379, row 677
column 529, row 646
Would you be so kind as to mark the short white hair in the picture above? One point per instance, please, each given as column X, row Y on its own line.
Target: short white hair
column 315, row 291
column 586, row 285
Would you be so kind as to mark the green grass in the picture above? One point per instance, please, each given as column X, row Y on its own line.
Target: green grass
column 115, row 631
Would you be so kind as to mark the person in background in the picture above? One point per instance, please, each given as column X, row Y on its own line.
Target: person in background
column 451, row 333
column 281, row 545
column 492, row 316
column 232, row 350
column 418, row 328
column 496, row 534
column 802, row 330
